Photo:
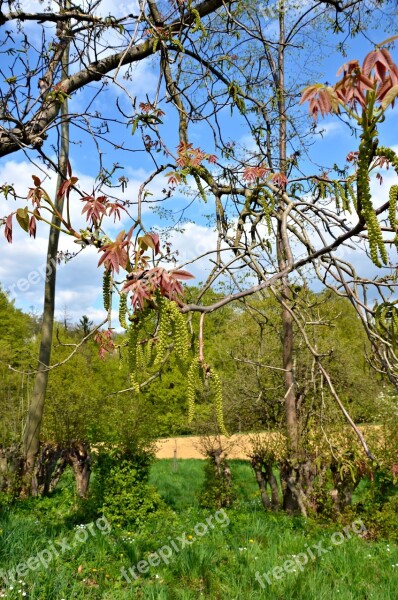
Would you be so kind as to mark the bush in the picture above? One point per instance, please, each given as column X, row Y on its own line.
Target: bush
column 377, row 506
column 128, row 499
column 121, row 487
column 216, row 491
column 6, row 500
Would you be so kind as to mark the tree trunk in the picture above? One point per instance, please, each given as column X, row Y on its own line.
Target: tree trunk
column 223, row 474
column 275, row 501
column 31, row 439
column 261, row 482
column 51, row 462
column 291, row 475
column 80, row 460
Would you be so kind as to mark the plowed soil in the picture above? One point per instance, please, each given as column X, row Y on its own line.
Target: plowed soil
column 190, row 447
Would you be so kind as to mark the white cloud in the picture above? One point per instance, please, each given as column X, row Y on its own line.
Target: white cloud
column 195, row 241
column 79, row 282
column 138, row 79
column 331, row 129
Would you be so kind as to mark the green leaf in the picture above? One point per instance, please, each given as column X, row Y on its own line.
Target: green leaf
column 146, row 242
column 22, row 217
column 135, row 125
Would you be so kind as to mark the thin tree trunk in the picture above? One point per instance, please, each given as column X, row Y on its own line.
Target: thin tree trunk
column 292, row 496
column 31, row 438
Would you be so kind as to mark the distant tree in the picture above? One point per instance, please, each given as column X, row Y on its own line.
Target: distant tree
column 85, row 325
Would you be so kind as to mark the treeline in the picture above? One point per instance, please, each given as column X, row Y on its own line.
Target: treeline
column 85, row 398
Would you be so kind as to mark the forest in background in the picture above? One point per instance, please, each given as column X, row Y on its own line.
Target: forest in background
column 85, row 398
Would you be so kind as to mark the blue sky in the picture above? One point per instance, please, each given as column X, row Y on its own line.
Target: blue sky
column 79, row 282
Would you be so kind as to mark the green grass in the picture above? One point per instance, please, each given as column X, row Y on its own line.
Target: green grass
column 222, row 564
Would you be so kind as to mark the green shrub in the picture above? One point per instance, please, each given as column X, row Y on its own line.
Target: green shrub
column 128, row 498
column 377, row 506
column 120, row 488
column 6, row 500
column 217, row 491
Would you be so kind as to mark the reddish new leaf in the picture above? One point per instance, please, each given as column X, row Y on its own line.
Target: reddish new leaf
column 381, row 62
column 182, row 275
column 115, row 254
column 168, row 283
column 66, row 187
column 35, row 194
column 8, row 229
column 321, row 99
column 32, row 227
column 141, row 293
column 352, row 156
column 156, row 242
column 174, row 178
column 280, row 180
column 188, row 156
column 250, row 174
column 104, row 339
column 95, row 208
column 114, row 209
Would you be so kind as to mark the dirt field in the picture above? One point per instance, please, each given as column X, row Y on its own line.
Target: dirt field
column 188, row 447
column 238, row 445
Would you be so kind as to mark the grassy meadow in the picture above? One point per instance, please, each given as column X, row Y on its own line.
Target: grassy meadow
column 83, row 561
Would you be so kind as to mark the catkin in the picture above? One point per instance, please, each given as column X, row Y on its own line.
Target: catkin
column 134, row 384
column 140, row 358
column 123, row 310
column 148, row 352
column 386, row 319
column 192, row 378
column 267, row 203
column 163, row 332
column 180, row 332
column 132, row 344
column 341, row 191
column 390, row 155
column 392, row 209
column 218, row 400
column 365, row 206
column 351, row 194
column 392, row 158
column 106, row 289
column 394, row 326
column 336, row 192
